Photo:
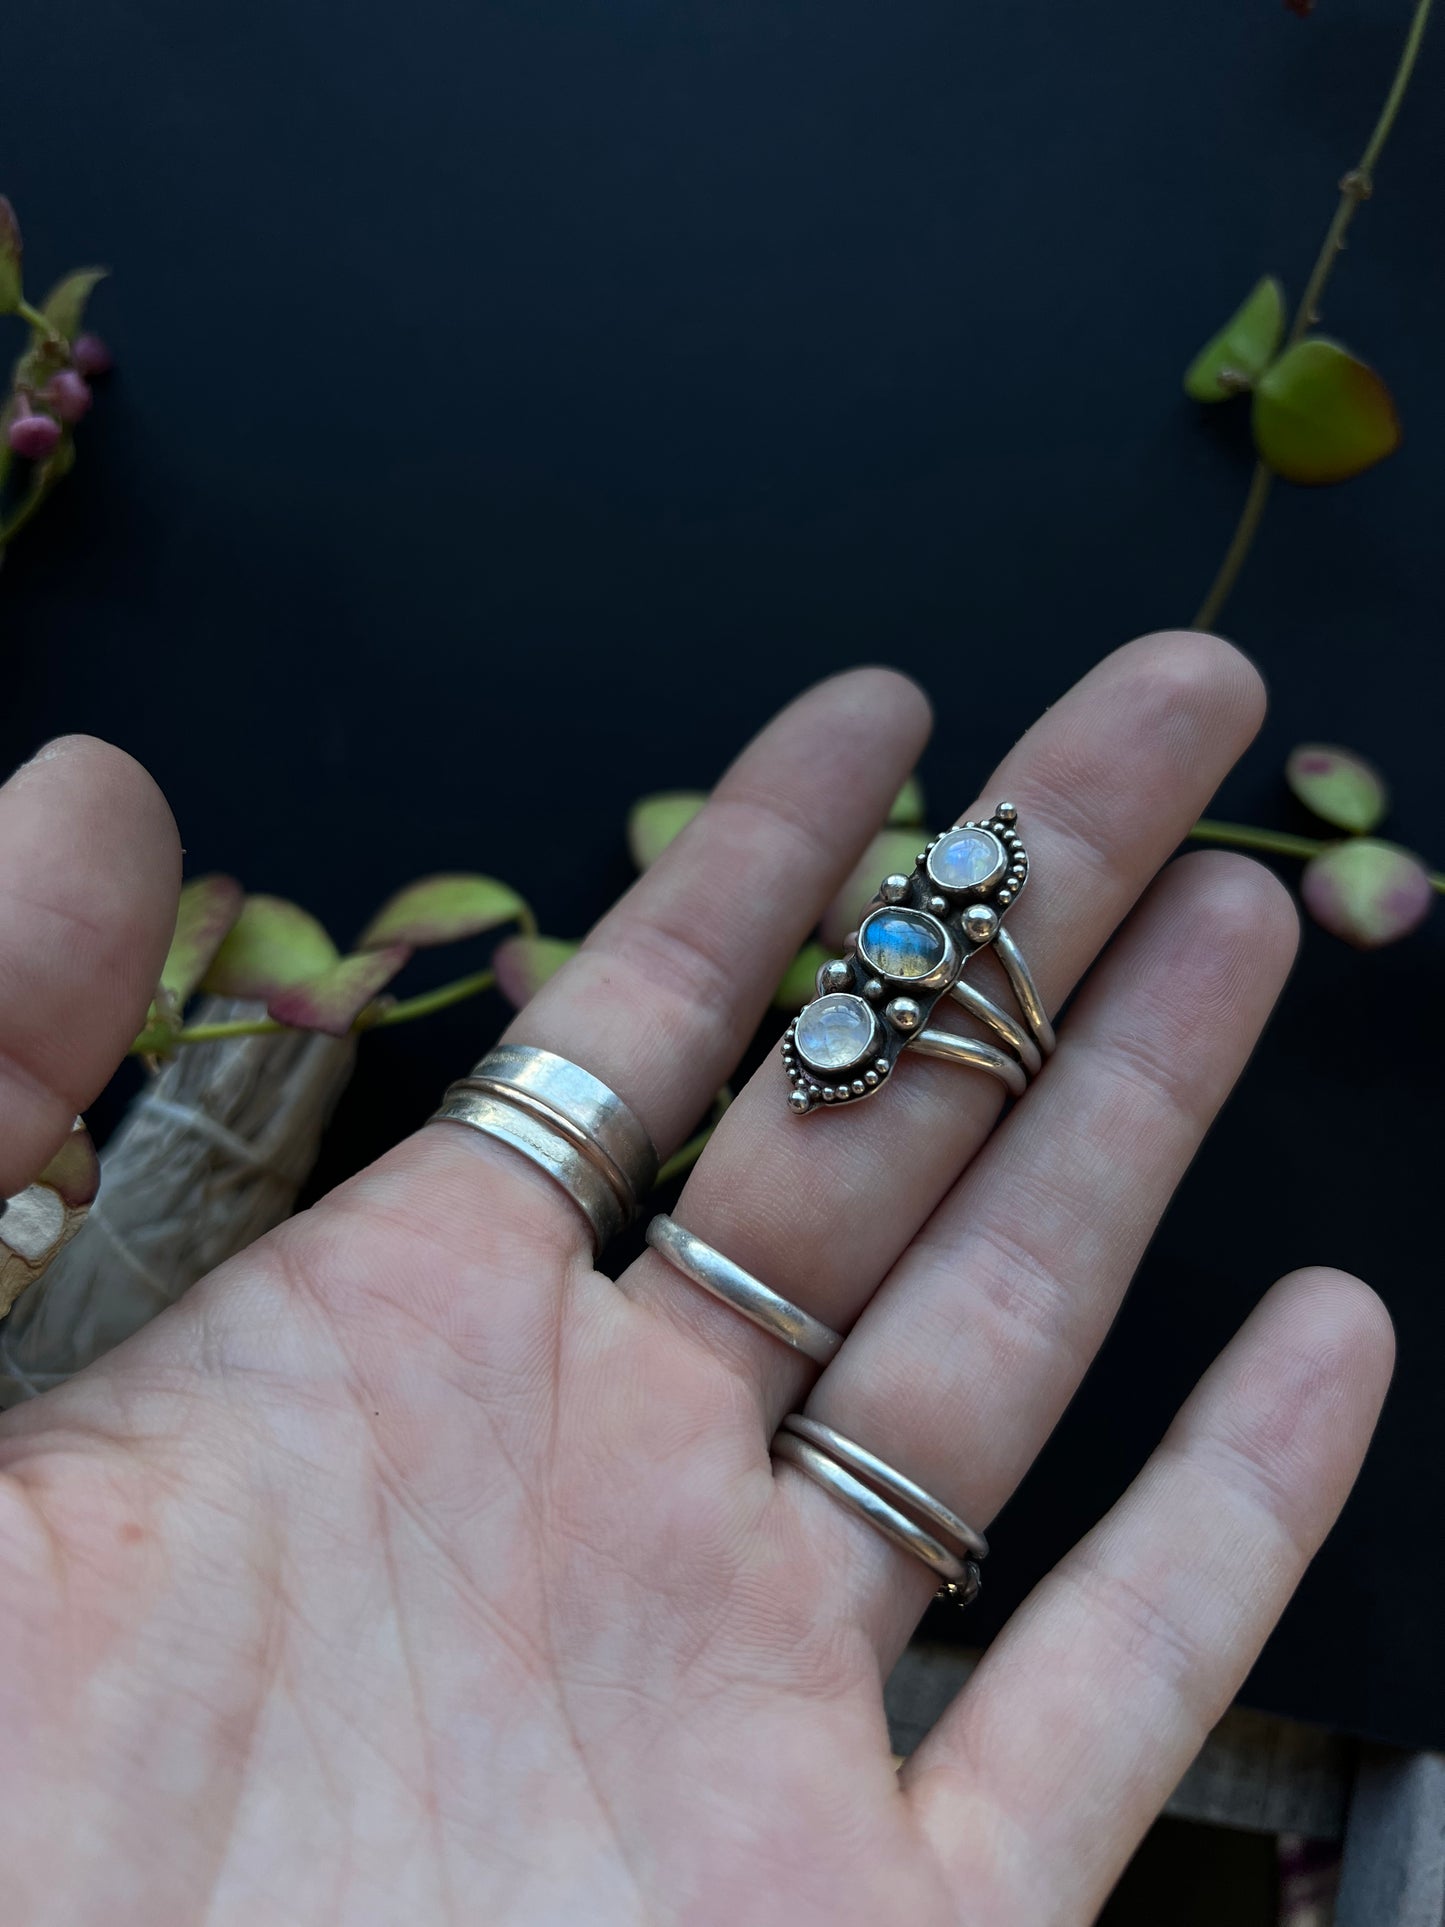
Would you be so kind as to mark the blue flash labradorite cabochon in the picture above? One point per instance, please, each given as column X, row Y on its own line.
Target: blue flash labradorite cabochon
column 902, row 943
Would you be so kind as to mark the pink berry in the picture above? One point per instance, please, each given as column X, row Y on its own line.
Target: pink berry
column 68, row 394
column 33, row 437
column 91, row 356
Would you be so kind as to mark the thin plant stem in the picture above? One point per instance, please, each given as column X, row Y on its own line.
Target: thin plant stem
column 1240, row 545
column 1356, row 186
column 403, row 1012
column 432, row 1000
column 42, row 326
column 1244, row 836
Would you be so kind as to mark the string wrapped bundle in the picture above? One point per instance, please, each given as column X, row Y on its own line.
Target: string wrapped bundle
column 210, row 1156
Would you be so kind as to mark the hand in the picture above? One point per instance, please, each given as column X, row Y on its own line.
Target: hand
column 412, row 1570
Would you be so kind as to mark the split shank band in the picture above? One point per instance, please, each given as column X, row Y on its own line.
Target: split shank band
column 910, row 951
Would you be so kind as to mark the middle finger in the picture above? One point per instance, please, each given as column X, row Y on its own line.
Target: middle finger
column 1107, row 784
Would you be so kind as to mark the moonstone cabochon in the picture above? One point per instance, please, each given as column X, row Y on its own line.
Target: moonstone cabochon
column 966, row 859
column 902, row 944
column 835, row 1032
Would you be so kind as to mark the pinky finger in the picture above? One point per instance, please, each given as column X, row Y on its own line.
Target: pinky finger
column 1046, row 1772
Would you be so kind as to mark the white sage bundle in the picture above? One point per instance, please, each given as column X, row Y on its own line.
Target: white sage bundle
column 210, row 1156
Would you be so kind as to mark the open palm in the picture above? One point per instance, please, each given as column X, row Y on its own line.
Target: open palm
column 413, row 1570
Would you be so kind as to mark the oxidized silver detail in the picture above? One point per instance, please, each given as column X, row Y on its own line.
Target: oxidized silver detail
column 911, row 948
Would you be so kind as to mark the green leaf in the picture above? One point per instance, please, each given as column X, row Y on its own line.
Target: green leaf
column 208, row 909
column 442, row 909
column 1321, row 415
column 891, row 852
column 799, row 985
column 907, row 806
column 523, row 965
column 656, row 820
column 64, row 306
column 12, row 284
column 1368, row 892
column 273, row 946
column 1338, row 786
column 333, row 1001
column 1244, row 347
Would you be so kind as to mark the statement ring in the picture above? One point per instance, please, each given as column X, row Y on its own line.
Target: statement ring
column 564, row 1121
column 915, row 942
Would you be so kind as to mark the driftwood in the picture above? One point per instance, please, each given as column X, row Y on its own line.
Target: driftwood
column 209, row 1156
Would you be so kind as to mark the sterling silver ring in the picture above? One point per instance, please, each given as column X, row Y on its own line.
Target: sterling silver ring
column 747, row 1295
column 564, row 1121
column 916, row 940
column 887, row 1500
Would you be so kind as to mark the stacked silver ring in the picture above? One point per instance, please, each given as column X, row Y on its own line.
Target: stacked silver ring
column 567, row 1123
column 887, row 1500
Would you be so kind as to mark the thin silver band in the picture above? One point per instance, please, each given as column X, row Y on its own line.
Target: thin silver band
column 979, row 1056
column 958, row 1576
column 943, row 1519
column 564, row 1121
column 1025, row 989
column 1012, row 1032
column 746, row 1295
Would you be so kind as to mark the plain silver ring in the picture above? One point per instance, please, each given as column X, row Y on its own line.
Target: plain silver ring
column 747, row 1295
column 960, row 1576
column 944, row 1521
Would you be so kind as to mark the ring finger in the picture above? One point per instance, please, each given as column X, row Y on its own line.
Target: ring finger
column 1107, row 784
column 963, row 1362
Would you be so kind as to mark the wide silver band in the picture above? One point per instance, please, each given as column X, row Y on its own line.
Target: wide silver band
column 567, row 1123
column 887, row 1500
column 747, row 1295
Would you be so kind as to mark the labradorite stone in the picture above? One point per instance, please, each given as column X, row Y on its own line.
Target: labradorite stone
column 902, row 943
column 835, row 1032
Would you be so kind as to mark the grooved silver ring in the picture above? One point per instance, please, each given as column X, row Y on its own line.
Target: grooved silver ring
column 564, row 1121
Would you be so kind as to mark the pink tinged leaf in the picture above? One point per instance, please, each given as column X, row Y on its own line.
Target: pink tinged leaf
column 657, row 820
column 207, row 912
column 1238, row 355
column 523, row 965
column 442, row 909
column 1368, row 892
column 799, row 984
column 333, row 1001
column 1321, row 415
column 273, row 946
column 907, row 805
column 890, row 853
column 1338, row 786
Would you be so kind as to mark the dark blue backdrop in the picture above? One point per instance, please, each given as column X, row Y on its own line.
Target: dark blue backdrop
column 518, row 401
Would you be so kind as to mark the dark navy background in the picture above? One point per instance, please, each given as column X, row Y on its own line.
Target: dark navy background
column 518, row 402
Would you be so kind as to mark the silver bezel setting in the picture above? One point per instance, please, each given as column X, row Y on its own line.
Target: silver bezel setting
column 943, row 906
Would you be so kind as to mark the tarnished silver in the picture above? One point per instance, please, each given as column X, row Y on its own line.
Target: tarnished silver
column 746, row 1294
column 910, row 950
column 566, row 1122
column 885, row 1499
